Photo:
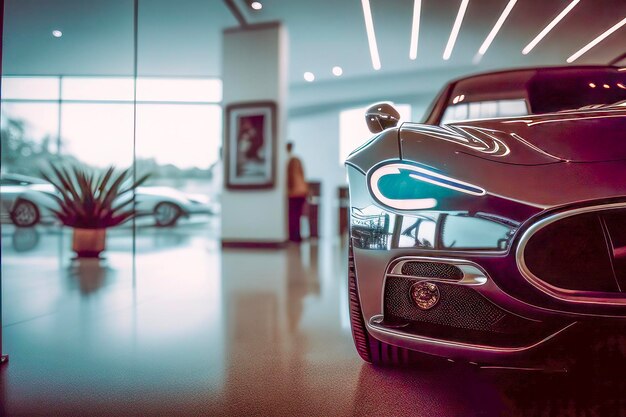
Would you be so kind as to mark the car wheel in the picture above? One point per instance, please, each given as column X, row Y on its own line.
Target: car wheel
column 166, row 214
column 370, row 349
column 25, row 214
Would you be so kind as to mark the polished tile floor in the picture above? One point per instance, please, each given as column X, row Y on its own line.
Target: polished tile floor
column 186, row 328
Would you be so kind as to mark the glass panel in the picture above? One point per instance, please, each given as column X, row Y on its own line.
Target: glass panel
column 455, row 113
column 179, row 146
column 485, row 110
column 31, row 88
column 97, row 88
column 29, row 136
column 98, row 134
column 508, row 108
column 40, row 267
column 489, row 109
column 474, row 110
column 179, row 89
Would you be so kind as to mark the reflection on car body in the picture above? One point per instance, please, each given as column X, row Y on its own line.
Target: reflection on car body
column 494, row 232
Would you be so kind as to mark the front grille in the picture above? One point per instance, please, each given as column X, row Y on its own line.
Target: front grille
column 432, row 270
column 580, row 252
column 458, row 306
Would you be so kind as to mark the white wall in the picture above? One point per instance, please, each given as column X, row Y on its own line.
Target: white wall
column 255, row 69
column 316, row 139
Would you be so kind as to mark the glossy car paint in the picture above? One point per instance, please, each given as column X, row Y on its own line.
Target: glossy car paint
column 534, row 169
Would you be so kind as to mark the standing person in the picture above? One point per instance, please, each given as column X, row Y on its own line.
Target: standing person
column 297, row 191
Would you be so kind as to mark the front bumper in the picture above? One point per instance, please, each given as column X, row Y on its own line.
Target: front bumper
column 492, row 315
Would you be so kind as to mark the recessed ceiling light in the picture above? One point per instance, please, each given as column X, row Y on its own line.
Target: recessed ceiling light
column 606, row 86
column 309, row 76
column 596, row 41
column 548, row 28
column 496, row 27
column 57, row 33
column 371, row 35
column 592, row 85
column 337, row 71
column 256, row 5
column 455, row 30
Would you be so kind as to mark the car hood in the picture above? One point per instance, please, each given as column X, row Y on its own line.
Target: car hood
column 575, row 136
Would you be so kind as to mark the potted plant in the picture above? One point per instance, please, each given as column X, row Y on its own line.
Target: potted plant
column 90, row 201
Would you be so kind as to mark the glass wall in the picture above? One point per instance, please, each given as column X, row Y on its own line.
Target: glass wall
column 69, row 98
column 59, row 121
column 91, row 120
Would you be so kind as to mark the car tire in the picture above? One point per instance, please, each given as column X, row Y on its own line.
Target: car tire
column 167, row 214
column 370, row 349
column 25, row 214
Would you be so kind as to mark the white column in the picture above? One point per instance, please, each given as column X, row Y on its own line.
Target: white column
column 254, row 68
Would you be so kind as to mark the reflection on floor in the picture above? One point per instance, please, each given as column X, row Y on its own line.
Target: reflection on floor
column 197, row 330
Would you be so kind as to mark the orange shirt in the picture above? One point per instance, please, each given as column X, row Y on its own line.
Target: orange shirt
column 296, row 183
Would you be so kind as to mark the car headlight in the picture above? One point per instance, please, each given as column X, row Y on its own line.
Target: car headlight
column 405, row 185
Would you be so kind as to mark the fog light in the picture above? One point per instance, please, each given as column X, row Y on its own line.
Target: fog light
column 425, row 295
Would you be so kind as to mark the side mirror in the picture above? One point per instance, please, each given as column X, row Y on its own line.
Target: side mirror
column 381, row 116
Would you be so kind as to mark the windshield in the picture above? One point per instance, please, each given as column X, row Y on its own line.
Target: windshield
column 519, row 93
column 550, row 92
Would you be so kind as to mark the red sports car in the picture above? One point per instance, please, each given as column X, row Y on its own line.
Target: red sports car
column 495, row 231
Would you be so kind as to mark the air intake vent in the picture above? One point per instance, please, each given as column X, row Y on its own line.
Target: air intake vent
column 432, row 270
column 459, row 306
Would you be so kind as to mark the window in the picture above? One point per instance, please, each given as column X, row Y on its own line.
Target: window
column 30, row 88
column 90, row 119
column 485, row 110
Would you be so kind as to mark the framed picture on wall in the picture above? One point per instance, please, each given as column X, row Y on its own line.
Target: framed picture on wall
column 250, row 145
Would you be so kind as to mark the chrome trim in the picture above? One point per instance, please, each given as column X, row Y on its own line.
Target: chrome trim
column 472, row 274
column 572, row 296
column 378, row 329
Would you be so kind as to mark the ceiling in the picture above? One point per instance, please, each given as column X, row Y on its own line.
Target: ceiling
column 183, row 37
column 324, row 33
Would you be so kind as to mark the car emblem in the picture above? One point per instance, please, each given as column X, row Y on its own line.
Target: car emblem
column 425, row 295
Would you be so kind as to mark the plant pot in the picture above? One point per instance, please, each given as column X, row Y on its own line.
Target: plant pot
column 88, row 243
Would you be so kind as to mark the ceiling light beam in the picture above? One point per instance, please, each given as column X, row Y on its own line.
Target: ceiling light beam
column 596, row 41
column 548, row 28
column 371, row 35
column 455, row 30
column 496, row 28
column 415, row 29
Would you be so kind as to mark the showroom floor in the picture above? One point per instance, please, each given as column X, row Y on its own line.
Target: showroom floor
column 198, row 330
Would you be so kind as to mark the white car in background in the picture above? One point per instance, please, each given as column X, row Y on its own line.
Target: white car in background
column 27, row 201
